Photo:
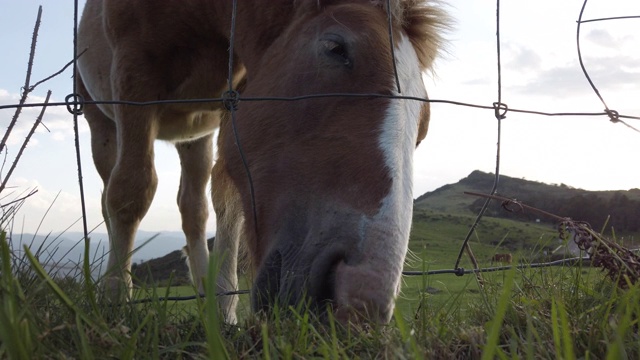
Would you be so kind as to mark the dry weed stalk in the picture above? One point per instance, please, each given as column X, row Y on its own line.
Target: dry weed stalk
column 621, row 264
column 8, row 209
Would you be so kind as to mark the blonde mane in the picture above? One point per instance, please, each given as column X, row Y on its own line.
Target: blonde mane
column 424, row 23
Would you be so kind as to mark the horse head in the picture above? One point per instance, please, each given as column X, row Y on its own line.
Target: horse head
column 332, row 175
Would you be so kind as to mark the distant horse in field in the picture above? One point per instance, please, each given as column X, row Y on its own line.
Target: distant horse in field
column 502, row 258
column 332, row 176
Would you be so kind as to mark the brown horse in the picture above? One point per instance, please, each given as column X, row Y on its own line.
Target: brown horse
column 332, row 176
column 502, row 258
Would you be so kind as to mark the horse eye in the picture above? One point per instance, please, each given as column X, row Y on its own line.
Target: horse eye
column 337, row 50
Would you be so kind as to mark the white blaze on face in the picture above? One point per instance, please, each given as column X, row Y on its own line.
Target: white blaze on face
column 399, row 134
column 397, row 141
column 385, row 236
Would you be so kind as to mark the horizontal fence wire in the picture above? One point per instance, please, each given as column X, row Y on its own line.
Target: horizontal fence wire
column 182, row 298
column 609, row 18
column 241, row 98
column 460, row 271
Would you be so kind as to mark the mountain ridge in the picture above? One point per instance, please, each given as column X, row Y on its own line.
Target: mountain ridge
column 563, row 200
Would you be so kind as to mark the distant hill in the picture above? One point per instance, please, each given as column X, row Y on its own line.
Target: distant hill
column 70, row 245
column 563, row 200
column 160, row 270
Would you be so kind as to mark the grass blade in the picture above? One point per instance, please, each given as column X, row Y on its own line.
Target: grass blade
column 217, row 349
column 495, row 326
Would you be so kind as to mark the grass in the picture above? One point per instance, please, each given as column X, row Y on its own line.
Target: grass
column 560, row 312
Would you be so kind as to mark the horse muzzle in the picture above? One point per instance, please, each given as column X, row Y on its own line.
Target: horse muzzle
column 354, row 277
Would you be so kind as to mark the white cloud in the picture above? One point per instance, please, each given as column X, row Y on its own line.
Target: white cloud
column 609, row 74
column 4, row 95
column 48, row 210
column 59, row 136
column 601, row 37
column 521, row 57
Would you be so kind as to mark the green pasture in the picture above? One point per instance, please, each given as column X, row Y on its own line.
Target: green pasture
column 440, row 291
column 559, row 312
column 555, row 312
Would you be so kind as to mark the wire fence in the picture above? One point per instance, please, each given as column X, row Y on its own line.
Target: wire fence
column 230, row 99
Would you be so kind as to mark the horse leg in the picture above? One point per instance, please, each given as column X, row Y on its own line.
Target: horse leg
column 229, row 222
column 196, row 159
column 104, row 149
column 104, row 146
column 131, row 188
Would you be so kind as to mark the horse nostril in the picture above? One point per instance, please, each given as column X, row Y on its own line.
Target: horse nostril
column 322, row 278
column 267, row 284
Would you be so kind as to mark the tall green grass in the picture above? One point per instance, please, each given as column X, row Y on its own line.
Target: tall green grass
column 562, row 312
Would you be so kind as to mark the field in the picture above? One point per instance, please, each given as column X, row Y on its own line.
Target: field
column 556, row 312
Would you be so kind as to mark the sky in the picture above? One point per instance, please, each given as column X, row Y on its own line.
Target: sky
column 540, row 71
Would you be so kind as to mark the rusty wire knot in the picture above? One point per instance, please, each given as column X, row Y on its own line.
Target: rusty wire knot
column 230, row 99
column 614, row 116
column 500, row 110
column 75, row 106
column 507, row 205
column 459, row 271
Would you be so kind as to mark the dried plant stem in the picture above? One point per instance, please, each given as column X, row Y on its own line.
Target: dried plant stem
column 25, row 142
column 32, row 87
column 21, row 198
column 27, row 82
column 620, row 263
column 26, row 90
